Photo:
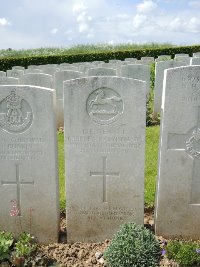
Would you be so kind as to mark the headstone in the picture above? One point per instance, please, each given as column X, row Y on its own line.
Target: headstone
column 114, row 61
column 50, row 70
column 195, row 61
column 15, row 73
column 197, row 54
column 184, row 59
column 104, row 145
column 59, row 78
column 8, row 81
column 18, row 68
column 178, row 189
column 101, row 72
column 2, row 74
column 181, row 55
column 68, row 68
column 33, row 66
column 131, row 59
column 163, row 58
column 159, row 76
column 37, row 79
column 28, row 162
column 137, row 71
column 32, row 70
column 146, row 60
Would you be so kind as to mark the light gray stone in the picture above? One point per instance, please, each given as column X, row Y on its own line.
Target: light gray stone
column 32, row 70
column 15, row 73
column 131, row 59
column 68, row 68
column 181, row 55
column 59, row 78
column 104, row 145
column 146, row 60
column 137, row 71
column 50, row 70
column 37, row 79
column 101, row 72
column 2, row 74
column 114, row 61
column 159, row 76
column 197, row 54
column 8, row 81
column 163, row 58
column 178, row 189
column 184, row 59
column 195, row 61
column 18, row 68
column 28, row 162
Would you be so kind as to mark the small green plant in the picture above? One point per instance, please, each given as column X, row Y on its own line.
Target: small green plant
column 185, row 253
column 134, row 246
column 6, row 241
column 25, row 245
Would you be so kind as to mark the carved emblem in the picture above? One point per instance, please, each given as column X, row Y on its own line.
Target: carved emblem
column 100, row 73
column 104, row 106
column 15, row 113
column 193, row 144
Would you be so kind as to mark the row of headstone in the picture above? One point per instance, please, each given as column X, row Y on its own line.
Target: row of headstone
column 105, row 155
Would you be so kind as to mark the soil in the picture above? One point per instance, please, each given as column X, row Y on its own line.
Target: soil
column 83, row 254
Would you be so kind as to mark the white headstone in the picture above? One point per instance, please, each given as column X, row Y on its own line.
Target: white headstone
column 181, row 55
column 147, row 60
column 8, row 81
column 18, row 68
column 163, row 58
column 197, row 54
column 100, row 71
column 2, row 74
column 137, row 71
column 28, row 162
column 68, row 68
column 195, row 61
column 159, row 76
column 59, row 78
column 184, row 59
column 131, row 59
column 15, row 73
column 37, row 79
column 32, row 70
column 104, row 145
column 178, row 189
column 50, row 70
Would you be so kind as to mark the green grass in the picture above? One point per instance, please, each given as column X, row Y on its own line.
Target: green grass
column 152, row 139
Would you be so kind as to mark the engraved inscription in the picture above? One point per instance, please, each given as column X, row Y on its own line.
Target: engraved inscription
column 21, row 148
column 18, row 182
column 15, row 113
column 104, row 174
column 106, row 213
column 104, row 106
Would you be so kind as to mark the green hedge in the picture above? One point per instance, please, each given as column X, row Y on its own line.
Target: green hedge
column 8, row 63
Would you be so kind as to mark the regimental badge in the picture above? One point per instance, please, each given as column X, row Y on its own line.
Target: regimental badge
column 104, row 106
column 15, row 113
column 193, row 144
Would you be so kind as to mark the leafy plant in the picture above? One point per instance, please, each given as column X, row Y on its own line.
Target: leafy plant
column 25, row 245
column 6, row 241
column 186, row 253
column 134, row 246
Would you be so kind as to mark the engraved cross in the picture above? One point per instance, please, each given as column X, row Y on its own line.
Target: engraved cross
column 104, row 174
column 192, row 147
column 18, row 182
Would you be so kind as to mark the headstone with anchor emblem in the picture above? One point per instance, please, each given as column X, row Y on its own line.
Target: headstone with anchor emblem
column 104, row 146
column 178, row 189
column 28, row 162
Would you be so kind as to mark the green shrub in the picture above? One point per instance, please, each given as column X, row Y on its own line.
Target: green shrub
column 6, row 241
column 133, row 246
column 25, row 245
column 186, row 253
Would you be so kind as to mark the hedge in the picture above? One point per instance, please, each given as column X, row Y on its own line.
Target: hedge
column 8, row 63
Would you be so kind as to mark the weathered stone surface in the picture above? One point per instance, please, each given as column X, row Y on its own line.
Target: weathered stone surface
column 28, row 162
column 146, row 60
column 195, row 61
column 100, row 71
column 18, row 68
column 15, row 73
column 2, row 74
column 184, row 59
column 37, row 79
column 159, row 76
column 178, row 189
column 32, row 70
column 104, row 146
column 163, row 58
column 51, row 70
column 137, row 71
column 8, row 80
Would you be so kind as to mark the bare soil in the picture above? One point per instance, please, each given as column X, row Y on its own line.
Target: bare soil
column 84, row 254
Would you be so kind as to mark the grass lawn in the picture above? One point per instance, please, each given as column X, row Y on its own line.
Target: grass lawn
column 152, row 139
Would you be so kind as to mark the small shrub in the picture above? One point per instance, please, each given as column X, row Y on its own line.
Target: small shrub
column 25, row 245
column 186, row 253
column 6, row 241
column 134, row 246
